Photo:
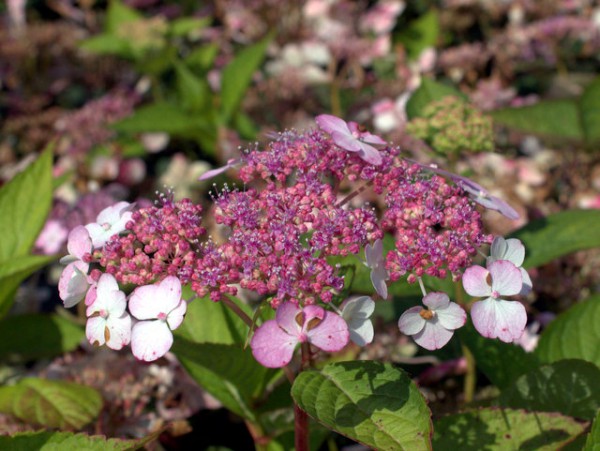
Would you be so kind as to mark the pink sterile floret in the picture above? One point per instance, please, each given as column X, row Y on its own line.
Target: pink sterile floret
column 111, row 221
column 348, row 136
column 108, row 322
column 513, row 251
column 273, row 343
column 432, row 328
column 376, row 261
column 159, row 309
column 495, row 317
column 74, row 281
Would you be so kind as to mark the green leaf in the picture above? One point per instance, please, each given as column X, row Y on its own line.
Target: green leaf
column 593, row 439
column 119, row 14
column 54, row 404
column 67, row 441
column 194, row 92
column 202, row 57
column 567, row 386
column 421, row 33
column 370, row 402
column 25, row 202
column 559, row 234
column 589, row 104
column 428, row 92
column 185, row 25
column 158, row 117
column 237, row 75
column 502, row 363
column 108, row 44
column 574, row 334
column 38, row 335
column 559, row 118
column 228, row 372
column 504, row 429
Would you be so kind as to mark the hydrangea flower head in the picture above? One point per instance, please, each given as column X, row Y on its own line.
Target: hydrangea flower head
column 108, row 322
column 111, row 221
column 159, row 309
column 356, row 312
column 513, row 251
column 274, row 341
column 348, row 136
column 376, row 261
column 495, row 317
column 433, row 327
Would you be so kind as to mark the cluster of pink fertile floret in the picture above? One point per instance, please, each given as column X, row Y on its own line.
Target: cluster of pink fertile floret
column 299, row 207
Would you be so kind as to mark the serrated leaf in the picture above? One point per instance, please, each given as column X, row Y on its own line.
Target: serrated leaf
column 373, row 403
column 25, row 202
column 237, row 75
column 574, row 334
column 428, row 92
column 559, row 118
column 420, row 34
column 67, row 441
column 118, row 15
column 50, row 403
column 589, row 105
column 502, row 363
column 228, row 372
column 29, row 337
column 567, row 386
column 504, row 429
column 593, row 439
column 559, row 234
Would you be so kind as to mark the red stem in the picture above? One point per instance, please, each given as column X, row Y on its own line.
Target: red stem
column 300, row 416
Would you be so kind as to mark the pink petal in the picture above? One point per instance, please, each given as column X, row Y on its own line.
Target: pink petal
column 346, row 142
column 378, row 278
column 370, row 154
column 475, row 281
column 73, row 283
column 497, row 318
column 286, row 318
column 436, row 300
column 214, row 172
column 170, row 292
column 411, row 322
column 108, row 297
column 452, row 317
column 506, row 278
column 433, row 336
column 331, row 334
column 151, row 301
column 330, row 124
column 112, row 214
column 372, row 139
column 119, row 328
column 150, row 340
column 271, row 346
column 97, row 234
column 79, row 243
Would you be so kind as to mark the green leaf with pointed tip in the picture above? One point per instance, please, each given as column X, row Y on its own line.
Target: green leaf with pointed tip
column 108, row 44
column 567, row 386
column 373, row 403
column 25, row 202
column 118, row 15
column 574, row 334
column 158, row 117
column 50, row 403
column 420, row 34
column 67, row 441
column 589, row 105
column 39, row 336
column 185, row 25
column 593, row 439
column 228, row 372
column 237, row 75
column 559, row 234
column 194, row 93
column 428, row 92
column 496, row 429
column 502, row 363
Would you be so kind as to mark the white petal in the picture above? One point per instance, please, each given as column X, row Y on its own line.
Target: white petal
column 452, row 316
column 475, row 281
column 497, row 318
column 433, row 336
column 511, row 250
column 119, row 331
column 506, row 278
column 527, row 283
column 150, row 340
column 95, row 330
column 411, row 322
column 175, row 317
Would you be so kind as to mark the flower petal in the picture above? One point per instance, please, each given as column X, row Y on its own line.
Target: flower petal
column 506, row 278
column 286, row 318
column 214, row 172
column 79, row 243
column 370, row 154
column 436, row 300
column 73, row 283
column 330, row 124
column 151, row 301
column 176, row 315
column 411, row 322
column 374, row 253
column 378, row 277
column 433, row 336
column 511, row 250
column 170, row 293
column 356, row 312
column 150, row 340
column 272, row 346
column 119, row 330
column 497, row 318
column 331, row 334
column 474, row 281
column 346, row 142
column 527, row 283
column 452, row 317
column 95, row 330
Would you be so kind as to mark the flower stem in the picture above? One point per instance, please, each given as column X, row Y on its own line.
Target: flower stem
column 470, row 375
column 238, row 311
column 300, row 416
column 353, row 194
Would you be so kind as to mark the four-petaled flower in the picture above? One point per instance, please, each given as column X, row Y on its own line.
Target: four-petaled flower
column 108, row 322
column 433, row 327
column 111, row 221
column 159, row 309
column 356, row 312
column 74, row 281
column 495, row 317
column 348, row 136
column 274, row 341
column 375, row 261
column 513, row 251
